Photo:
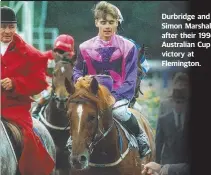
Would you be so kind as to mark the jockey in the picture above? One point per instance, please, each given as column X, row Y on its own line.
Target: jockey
column 22, row 75
column 63, row 50
column 116, row 56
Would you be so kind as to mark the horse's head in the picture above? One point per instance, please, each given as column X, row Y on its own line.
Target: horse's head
column 62, row 72
column 89, row 112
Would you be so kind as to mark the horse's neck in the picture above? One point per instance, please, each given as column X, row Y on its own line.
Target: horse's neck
column 55, row 116
column 107, row 149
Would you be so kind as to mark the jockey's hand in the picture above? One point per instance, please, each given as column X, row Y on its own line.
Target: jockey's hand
column 7, row 84
column 151, row 168
column 79, row 78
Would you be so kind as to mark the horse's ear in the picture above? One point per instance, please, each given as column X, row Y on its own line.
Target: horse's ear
column 69, row 86
column 94, row 86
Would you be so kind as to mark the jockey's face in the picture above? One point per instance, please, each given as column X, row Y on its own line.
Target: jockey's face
column 60, row 54
column 107, row 27
column 7, row 31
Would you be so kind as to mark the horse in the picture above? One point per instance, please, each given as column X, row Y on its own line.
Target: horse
column 54, row 114
column 100, row 145
column 11, row 145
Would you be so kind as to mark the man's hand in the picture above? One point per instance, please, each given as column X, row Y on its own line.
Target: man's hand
column 7, row 84
column 151, row 168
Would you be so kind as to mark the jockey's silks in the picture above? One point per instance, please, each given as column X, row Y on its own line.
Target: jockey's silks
column 116, row 57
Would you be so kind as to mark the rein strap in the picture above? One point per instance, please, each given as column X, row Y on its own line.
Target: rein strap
column 52, row 126
column 111, row 164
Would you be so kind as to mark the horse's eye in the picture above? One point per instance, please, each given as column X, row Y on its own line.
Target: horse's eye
column 90, row 118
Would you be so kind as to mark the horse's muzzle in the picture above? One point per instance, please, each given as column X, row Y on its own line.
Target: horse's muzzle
column 80, row 162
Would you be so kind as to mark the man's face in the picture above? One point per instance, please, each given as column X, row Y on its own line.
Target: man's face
column 180, row 105
column 7, row 32
column 59, row 54
column 107, row 27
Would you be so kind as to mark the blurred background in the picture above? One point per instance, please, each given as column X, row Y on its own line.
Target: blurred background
column 40, row 22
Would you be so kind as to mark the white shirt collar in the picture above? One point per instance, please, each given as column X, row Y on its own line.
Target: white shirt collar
column 105, row 43
column 182, row 118
column 4, row 47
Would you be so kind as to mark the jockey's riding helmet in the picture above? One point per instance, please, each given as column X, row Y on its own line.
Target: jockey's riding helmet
column 64, row 43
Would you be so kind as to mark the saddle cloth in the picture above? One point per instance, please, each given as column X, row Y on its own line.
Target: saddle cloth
column 133, row 144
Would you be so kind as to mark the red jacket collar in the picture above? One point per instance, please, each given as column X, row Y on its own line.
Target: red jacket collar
column 17, row 43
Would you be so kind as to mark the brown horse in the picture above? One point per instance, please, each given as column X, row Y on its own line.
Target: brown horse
column 99, row 144
column 54, row 116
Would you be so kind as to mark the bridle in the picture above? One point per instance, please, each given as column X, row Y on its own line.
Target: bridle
column 54, row 97
column 53, row 94
column 96, row 137
column 58, row 99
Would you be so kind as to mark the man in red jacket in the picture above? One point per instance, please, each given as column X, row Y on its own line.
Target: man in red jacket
column 63, row 50
column 22, row 75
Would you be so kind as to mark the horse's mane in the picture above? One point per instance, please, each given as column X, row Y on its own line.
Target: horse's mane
column 103, row 98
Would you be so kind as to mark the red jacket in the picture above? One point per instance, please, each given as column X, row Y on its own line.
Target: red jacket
column 26, row 66
column 48, row 54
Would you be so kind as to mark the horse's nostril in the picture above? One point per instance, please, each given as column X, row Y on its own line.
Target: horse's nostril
column 83, row 159
column 74, row 160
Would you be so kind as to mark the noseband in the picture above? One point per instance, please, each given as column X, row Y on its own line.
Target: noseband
column 58, row 99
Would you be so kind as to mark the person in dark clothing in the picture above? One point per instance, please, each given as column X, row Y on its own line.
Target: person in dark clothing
column 172, row 126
